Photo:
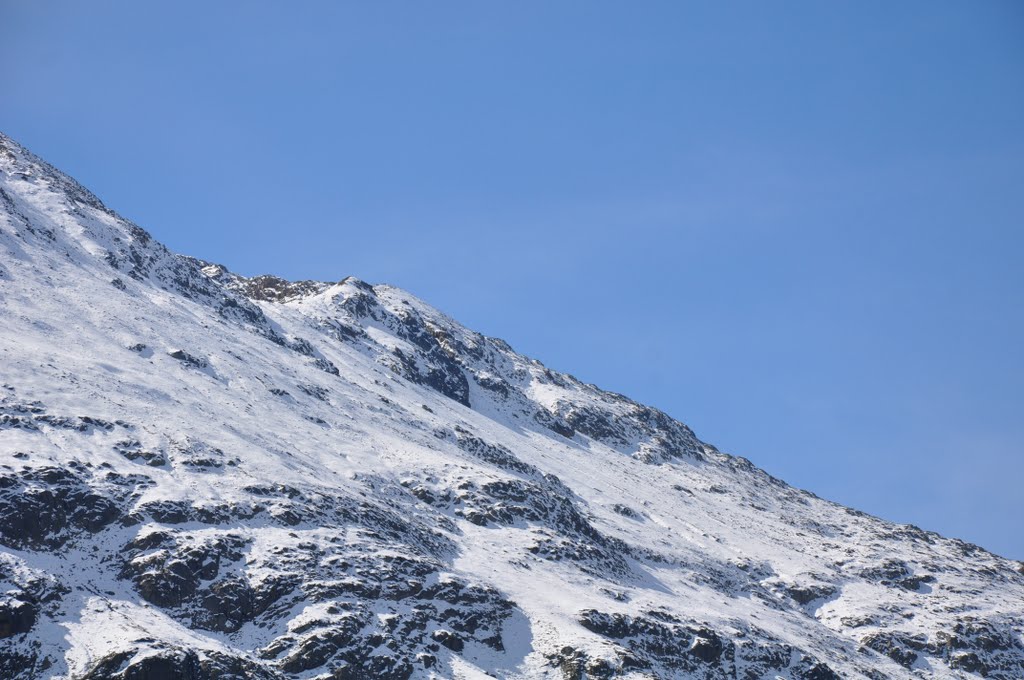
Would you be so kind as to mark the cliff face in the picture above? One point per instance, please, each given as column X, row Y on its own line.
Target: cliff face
column 208, row 476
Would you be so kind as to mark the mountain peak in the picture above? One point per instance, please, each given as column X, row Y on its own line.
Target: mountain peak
column 205, row 475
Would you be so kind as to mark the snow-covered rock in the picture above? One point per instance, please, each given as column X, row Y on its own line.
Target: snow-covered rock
column 208, row 476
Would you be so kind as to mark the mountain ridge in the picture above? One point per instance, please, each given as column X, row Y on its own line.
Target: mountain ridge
column 214, row 476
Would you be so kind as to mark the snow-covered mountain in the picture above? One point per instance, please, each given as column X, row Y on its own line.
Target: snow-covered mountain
column 208, row 476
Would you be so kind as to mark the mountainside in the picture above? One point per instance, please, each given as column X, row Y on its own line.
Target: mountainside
column 206, row 476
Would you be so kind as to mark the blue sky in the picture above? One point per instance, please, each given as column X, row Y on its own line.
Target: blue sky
column 797, row 227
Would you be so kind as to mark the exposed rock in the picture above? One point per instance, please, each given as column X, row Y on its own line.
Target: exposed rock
column 42, row 508
column 16, row 616
column 365, row 488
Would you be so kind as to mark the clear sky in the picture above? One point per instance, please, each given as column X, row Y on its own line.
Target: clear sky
column 797, row 227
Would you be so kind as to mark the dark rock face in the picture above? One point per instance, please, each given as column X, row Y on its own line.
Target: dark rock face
column 16, row 616
column 425, row 611
column 992, row 649
column 903, row 649
column 620, row 424
column 199, row 579
column 896, row 573
column 626, row 511
column 562, row 531
column 436, row 363
column 133, row 450
column 43, row 507
column 810, row 593
column 663, row 646
column 495, row 454
column 268, row 288
column 987, row 648
column 189, row 360
column 441, row 374
column 554, row 423
column 166, row 663
column 170, row 576
column 19, row 664
column 182, row 666
column 27, row 597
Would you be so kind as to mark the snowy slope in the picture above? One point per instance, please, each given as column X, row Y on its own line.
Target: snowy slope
column 208, row 476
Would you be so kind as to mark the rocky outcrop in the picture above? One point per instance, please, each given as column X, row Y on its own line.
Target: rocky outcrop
column 205, row 476
column 43, row 507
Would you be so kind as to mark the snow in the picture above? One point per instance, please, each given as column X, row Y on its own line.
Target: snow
column 709, row 526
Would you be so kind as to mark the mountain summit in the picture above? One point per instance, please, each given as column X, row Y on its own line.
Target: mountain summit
column 211, row 477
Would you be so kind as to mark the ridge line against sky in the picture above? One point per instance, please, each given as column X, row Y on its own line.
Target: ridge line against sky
column 797, row 231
